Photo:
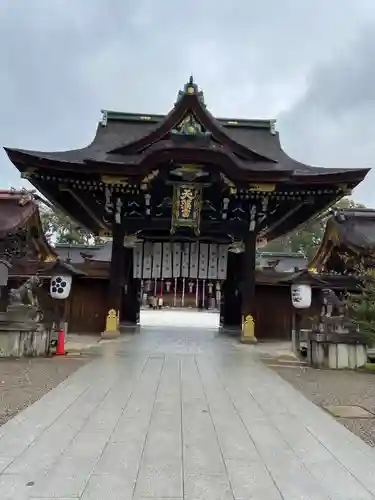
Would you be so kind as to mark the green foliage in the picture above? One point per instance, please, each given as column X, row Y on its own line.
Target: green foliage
column 59, row 228
column 307, row 238
column 361, row 308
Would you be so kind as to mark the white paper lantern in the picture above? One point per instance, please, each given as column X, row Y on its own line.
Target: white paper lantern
column 60, row 286
column 301, row 296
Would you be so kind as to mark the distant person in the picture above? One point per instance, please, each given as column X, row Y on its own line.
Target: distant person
column 160, row 302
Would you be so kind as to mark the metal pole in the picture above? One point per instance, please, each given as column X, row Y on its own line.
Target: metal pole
column 196, row 293
column 183, row 293
column 175, row 293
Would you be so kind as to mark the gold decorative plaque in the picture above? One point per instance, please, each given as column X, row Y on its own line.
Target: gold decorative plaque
column 186, row 208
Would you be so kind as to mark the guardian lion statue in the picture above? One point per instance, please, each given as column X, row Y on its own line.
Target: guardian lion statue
column 25, row 296
column 26, row 293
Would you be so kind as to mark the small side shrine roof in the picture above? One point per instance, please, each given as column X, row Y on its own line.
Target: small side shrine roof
column 349, row 232
column 20, row 212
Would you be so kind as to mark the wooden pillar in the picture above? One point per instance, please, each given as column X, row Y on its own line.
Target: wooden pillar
column 130, row 303
column 116, row 281
column 248, row 289
column 296, row 332
column 230, row 308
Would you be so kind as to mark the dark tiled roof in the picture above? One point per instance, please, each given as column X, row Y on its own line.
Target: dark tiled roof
column 16, row 209
column 116, row 134
column 348, row 230
column 127, row 139
column 19, row 211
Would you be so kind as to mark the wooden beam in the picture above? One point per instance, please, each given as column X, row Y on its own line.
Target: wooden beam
column 282, row 219
column 85, row 207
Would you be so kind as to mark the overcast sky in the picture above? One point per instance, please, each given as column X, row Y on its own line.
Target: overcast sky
column 308, row 63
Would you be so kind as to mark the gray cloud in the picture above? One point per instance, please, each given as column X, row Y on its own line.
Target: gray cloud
column 334, row 117
column 308, row 62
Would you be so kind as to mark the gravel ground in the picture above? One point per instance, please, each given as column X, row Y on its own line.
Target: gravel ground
column 325, row 387
column 24, row 381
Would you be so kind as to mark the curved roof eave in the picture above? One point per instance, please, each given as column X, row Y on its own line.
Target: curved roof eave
column 342, row 233
column 303, row 173
column 325, row 248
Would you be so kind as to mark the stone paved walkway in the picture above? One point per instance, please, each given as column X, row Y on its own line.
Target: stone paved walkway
column 180, row 414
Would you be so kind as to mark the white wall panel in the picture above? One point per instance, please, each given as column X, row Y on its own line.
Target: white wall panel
column 185, row 260
column 167, row 260
column 222, row 263
column 194, row 251
column 176, row 260
column 212, row 263
column 138, row 260
column 203, row 260
column 156, row 260
column 147, row 259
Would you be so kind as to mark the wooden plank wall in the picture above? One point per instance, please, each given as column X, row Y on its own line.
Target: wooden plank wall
column 88, row 306
column 274, row 312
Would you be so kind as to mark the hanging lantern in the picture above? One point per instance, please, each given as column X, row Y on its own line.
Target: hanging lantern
column 168, row 286
column 301, row 296
column 190, row 285
column 60, row 286
column 61, row 280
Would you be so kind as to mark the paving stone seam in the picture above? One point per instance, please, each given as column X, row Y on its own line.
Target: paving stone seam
column 20, row 418
column 214, row 426
column 282, row 438
column 181, row 424
column 354, row 440
column 309, row 430
column 84, row 421
column 149, row 423
column 226, row 391
column 360, row 446
column 327, row 448
column 136, row 381
column 44, row 430
column 273, row 422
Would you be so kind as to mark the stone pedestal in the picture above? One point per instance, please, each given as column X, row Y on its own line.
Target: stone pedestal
column 20, row 337
column 337, row 352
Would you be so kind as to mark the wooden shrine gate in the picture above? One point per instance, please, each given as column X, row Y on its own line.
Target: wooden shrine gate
column 184, row 176
column 184, row 274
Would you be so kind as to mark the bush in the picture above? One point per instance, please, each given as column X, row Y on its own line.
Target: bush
column 361, row 308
